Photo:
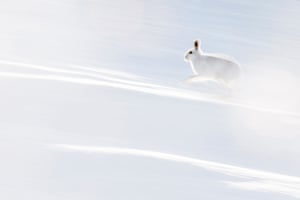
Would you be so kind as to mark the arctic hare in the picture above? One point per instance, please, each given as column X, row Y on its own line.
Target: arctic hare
column 211, row 67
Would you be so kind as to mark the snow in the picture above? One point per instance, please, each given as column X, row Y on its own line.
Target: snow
column 94, row 104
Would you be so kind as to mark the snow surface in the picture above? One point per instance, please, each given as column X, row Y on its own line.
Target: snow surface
column 94, row 102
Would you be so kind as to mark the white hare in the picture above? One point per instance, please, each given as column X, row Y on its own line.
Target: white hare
column 212, row 67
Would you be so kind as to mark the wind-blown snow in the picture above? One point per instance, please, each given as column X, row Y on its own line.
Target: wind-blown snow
column 134, row 83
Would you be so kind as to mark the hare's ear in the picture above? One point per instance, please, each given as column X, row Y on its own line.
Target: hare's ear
column 196, row 44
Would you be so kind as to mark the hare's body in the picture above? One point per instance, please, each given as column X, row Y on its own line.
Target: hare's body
column 212, row 67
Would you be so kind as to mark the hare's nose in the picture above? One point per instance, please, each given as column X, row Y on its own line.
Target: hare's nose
column 186, row 57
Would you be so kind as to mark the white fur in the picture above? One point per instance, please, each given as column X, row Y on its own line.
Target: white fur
column 212, row 67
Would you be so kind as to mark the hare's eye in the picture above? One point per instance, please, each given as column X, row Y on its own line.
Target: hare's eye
column 190, row 52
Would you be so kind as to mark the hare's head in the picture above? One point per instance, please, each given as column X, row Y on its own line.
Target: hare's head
column 192, row 54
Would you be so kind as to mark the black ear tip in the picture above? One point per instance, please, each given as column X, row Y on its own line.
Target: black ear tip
column 196, row 43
